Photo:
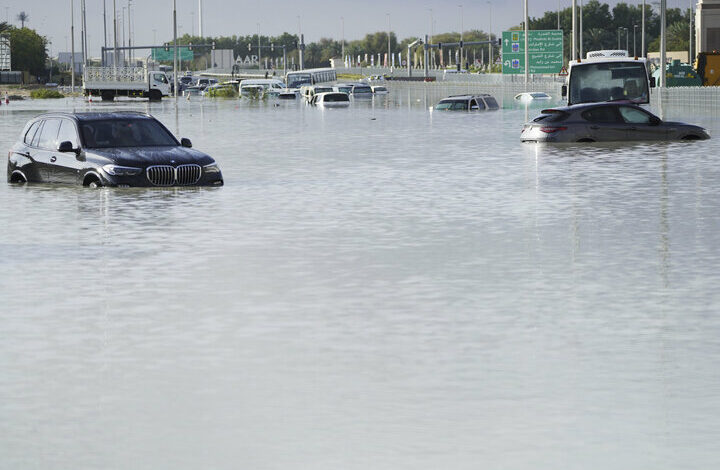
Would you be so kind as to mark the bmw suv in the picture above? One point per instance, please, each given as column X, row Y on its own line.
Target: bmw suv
column 107, row 149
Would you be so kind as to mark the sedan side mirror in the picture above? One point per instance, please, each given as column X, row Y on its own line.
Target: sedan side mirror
column 655, row 121
column 563, row 91
column 185, row 142
column 66, row 147
column 652, row 82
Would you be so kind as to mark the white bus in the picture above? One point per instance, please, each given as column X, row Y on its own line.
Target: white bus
column 608, row 76
column 310, row 77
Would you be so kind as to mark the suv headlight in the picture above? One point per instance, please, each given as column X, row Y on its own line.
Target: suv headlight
column 211, row 168
column 116, row 170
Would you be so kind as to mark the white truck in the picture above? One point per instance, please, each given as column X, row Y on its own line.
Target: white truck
column 609, row 75
column 137, row 82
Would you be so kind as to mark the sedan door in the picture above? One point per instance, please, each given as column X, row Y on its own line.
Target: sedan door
column 604, row 124
column 642, row 125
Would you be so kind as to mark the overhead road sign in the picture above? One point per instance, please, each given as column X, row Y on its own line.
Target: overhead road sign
column 545, row 51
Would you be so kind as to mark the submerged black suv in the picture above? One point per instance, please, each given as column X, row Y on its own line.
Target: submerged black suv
column 107, row 149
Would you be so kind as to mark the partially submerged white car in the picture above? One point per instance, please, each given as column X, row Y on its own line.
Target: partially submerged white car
column 333, row 99
column 533, row 96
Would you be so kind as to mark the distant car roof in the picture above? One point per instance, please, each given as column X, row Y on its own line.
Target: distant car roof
column 97, row 116
column 467, row 97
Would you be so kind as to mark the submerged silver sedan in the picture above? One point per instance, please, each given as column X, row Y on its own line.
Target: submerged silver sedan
column 605, row 122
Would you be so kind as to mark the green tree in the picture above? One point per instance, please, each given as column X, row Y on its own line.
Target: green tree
column 28, row 50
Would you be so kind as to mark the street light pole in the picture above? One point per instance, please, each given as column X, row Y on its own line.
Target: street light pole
column 527, row 32
column 72, row 46
column 619, row 37
column 690, row 33
column 642, row 33
column 634, row 48
column 581, row 29
column 573, row 44
column 490, row 54
column 259, row 49
column 388, row 53
column 115, row 37
column 663, row 54
column 627, row 39
column 175, row 51
column 461, row 38
column 342, row 43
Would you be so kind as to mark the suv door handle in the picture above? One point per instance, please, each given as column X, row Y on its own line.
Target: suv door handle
column 594, row 127
column 53, row 158
column 633, row 128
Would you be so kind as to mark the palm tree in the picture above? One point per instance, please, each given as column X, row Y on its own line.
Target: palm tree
column 22, row 18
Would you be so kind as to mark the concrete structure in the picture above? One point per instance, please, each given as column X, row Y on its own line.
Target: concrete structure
column 707, row 26
column 5, row 59
column 222, row 59
column 65, row 58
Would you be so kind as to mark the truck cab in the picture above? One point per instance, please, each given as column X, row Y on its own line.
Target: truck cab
column 609, row 75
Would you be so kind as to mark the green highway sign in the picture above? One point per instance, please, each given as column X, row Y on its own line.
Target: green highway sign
column 545, row 51
column 161, row 55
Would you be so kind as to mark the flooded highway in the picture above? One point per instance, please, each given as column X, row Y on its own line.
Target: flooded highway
column 377, row 287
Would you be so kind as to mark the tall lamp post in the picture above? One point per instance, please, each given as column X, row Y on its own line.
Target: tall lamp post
column 342, row 34
column 460, row 63
column 642, row 32
column 388, row 53
column 490, row 54
column 634, row 48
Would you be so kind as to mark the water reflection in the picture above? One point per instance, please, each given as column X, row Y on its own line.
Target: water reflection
column 409, row 281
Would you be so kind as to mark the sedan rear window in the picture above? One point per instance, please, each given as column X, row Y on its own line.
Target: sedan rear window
column 125, row 133
column 336, row 98
column 552, row 115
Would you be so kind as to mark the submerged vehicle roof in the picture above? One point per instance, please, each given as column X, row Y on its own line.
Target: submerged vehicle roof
column 97, row 116
column 467, row 97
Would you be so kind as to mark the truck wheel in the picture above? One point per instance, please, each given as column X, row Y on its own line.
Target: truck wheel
column 155, row 95
column 107, row 96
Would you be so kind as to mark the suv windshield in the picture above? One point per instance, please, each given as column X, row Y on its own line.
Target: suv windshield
column 608, row 81
column 125, row 133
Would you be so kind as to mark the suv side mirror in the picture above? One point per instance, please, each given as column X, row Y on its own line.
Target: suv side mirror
column 655, row 121
column 563, row 91
column 66, row 147
column 652, row 82
column 185, row 142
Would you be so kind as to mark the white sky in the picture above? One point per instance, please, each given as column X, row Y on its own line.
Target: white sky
column 318, row 18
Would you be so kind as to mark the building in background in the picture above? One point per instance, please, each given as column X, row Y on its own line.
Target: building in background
column 5, row 62
column 707, row 26
column 64, row 58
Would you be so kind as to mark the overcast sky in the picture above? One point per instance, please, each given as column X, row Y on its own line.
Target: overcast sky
column 317, row 18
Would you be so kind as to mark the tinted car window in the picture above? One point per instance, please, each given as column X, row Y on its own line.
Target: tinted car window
column 550, row 115
column 36, row 137
column 603, row 114
column 125, row 133
column 336, row 97
column 491, row 102
column 49, row 133
column 31, row 133
column 634, row 115
column 68, row 133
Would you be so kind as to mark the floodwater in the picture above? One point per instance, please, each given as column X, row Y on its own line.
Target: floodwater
column 380, row 287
